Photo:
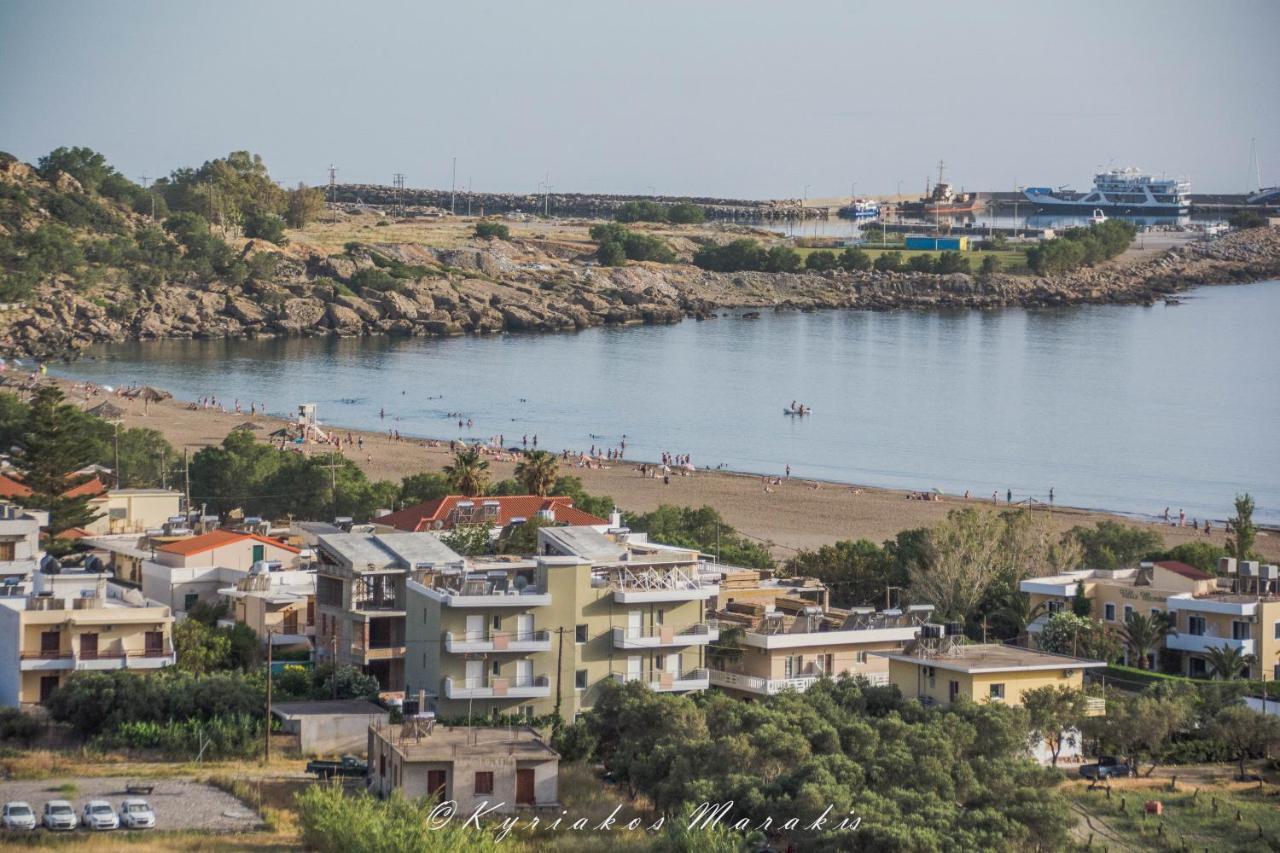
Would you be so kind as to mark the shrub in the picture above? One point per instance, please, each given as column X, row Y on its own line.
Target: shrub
column 611, row 254
column 1247, row 219
column 375, row 279
column 950, row 262
column 920, row 263
column 989, row 265
column 820, row 261
column 333, row 822
column 265, row 226
column 855, row 259
column 237, row 736
column 17, row 726
column 492, row 230
column 686, row 214
column 889, row 262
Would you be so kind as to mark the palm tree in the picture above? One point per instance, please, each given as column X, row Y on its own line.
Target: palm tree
column 1019, row 613
column 1143, row 635
column 1227, row 662
column 469, row 474
column 538, row 471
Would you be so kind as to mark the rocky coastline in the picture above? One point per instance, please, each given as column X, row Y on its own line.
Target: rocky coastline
column 532, row 286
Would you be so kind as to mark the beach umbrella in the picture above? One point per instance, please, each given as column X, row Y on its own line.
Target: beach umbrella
column 107, row 410
column 150, row 394
column 280, row 433
column 247, row 425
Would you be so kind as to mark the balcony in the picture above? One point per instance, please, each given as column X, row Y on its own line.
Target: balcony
column 537, row 687
column 485, row 591
column 650, row 586
column 771, row 686
column 1202, row 643
column 46, row 661
column 377, row 652
column 665, row 637
column 666, row 682
column 498, row 641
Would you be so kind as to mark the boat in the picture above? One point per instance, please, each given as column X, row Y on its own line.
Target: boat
column 1119, row 191
column 860, row 208
column 942, row 200
column 1098, row 217
column 800, row 411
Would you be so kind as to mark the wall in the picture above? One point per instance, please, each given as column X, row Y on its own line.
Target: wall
column 976, row 687
column 143, row 510
column 10, row 671
column 334, row 734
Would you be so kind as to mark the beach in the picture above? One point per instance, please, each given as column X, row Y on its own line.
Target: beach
column 787, row 516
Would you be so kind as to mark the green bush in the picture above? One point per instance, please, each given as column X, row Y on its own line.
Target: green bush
column 492, row 230
column 375, row 279
column 611, row 254
column 686, row 213
column 889, row 262
column 333, row 822
column 920, row 263
column 820, row 261
column 265, row 226
column 17, row 726
column 237, row 736
column 1247, row 219
column 855, row 260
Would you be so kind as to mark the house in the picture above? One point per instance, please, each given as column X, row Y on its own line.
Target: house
column 1241, row 612
column 760, row 586
column 330, row 727
column 183, row 572
column 132, row 510
column 20, row 550
column 279, row 606
column 939, row 672
column 458, row 510
column 792, row 643
column 72, row 621
column 527, row 634
column 361, row 597
column 491, row 768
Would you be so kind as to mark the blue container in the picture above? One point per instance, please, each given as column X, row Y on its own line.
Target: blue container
column 938, row 244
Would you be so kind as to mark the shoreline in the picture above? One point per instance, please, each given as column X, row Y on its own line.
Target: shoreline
column 796, row 514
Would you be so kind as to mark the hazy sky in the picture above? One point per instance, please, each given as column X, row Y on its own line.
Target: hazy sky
column 735, row 98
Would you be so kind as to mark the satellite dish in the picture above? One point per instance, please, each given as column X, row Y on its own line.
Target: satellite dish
column 438, row 524
column 520, row 582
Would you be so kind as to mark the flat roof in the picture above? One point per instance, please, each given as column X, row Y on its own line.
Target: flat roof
column 446, row 742
column 388, row 550
column 327, row 708
column 992, row 657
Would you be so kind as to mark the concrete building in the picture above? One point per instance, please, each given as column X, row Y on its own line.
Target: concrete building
column 361, row 597
column 132, row 510
column 330, row 727
column 459, row 511
column 197, row 568
column 279, row 605
column 509, row 769
column 20, row 550
column 792, row 643
column 944, row 672
column 523, row 635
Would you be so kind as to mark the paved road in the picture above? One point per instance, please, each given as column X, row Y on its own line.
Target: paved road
column 178, row 803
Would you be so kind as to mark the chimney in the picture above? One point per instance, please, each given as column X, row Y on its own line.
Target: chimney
column 615, row 519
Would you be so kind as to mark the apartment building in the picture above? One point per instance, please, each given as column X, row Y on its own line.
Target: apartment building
column 278, row 606
column 361, row 597
column 122, row 511
column 20, row 551
column 791, row 643
column 188, row 570
column 460, row 511
column 76, row 620
column 938, row 672
column 530, row 635
column 1241, row 611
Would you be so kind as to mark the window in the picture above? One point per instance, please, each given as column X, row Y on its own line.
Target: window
column 190, row 600
column 1109, row 612
column 862, row 657
column 660, row 616
column 496, row 668
column 953, row 690
column 1156, row 613
column 259, row 553
column 1055, row 606
column 580, row 679
column 1128, row 613
column 580, row 634
column 1239, row 630
column 484, row 782
column 1278, row 630
column 1195, row 626
column 997, row 691
column 659, row 662
column 1198, row 667
column 497, row 622
column 527, row 710
column 7, row 551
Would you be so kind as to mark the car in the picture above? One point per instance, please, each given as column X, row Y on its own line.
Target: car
column 98, row 814
column 58, row 814
column 137, row 814
column 18, row 815
column 350, row 765
column 1108, row 767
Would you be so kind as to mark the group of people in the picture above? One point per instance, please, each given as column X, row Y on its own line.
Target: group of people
column 1207, row 527
column 799, row 408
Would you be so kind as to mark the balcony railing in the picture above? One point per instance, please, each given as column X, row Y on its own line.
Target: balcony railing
column 770, row 686
column 1203, row 643
column 659, row 636
column 667, row 682
column 492, row 687
column 46, row 655
column 498, row 641
column 643, row 585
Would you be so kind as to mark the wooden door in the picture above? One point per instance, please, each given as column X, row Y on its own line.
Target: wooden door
column 50, row 644
column 89, row 646
column 437, row 781
column 48, row 684
column 524, row 786
column 153, row 643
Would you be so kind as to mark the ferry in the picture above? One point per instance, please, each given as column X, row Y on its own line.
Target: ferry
column 860, row 208
column 1119, row 191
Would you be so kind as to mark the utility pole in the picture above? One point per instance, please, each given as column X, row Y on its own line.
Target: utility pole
column 186, row 479
column 453, row 186
column 333, row 190
column 559, row 666
column 334, row 642
column 267, row 755
column 468, row 195
column 397, row 209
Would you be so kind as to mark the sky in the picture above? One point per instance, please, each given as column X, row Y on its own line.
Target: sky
column 733, row 99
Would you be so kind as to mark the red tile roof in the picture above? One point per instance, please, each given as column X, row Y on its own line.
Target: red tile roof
column 1189, row 572
column 424, row 516
column 11, row 488
column 216, row 539
column 14, row 488
column 91, row 487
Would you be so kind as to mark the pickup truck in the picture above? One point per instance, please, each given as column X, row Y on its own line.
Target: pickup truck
column 348, row 766
column 1108, row 767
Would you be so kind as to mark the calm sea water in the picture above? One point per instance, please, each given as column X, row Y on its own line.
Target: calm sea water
column 1119, row 407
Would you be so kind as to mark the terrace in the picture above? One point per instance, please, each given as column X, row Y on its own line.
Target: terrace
column 665, row 636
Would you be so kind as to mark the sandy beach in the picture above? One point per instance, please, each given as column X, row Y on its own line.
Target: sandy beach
column 792, row 515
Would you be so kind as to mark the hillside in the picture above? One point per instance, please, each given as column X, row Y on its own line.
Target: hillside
column 87, row 256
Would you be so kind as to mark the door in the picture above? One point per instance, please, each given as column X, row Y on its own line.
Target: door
column 89, row 646
column 524, row 673
column 673, row 664
column 475, row 627
column 524, row 627
column 153, row 643
column 259, row 553
column 634, row 668
column 50, row 644
column 475, row 673
column 437, row 782
column 524, row 786
column 48, row 684
column 634, row 624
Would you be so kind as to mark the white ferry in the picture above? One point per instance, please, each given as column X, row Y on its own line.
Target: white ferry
column 1120, row 191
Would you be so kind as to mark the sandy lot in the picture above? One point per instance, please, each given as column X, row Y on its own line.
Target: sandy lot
column 178, row 803
column 788, row 517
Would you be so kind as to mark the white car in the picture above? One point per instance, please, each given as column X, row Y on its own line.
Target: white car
column 18, row 815
column 58, row 814
column 98, row 814
column 137, row 814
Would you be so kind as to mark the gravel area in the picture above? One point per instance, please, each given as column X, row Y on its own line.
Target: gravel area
column 178, row 803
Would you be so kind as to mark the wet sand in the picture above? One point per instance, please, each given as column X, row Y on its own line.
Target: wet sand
column 794, row 515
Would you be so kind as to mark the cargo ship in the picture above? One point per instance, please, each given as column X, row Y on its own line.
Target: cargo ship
column 860, row 208
column 1119, row 191
column 942, row 200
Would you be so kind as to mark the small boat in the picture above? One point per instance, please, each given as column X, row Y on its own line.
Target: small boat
column 1098, row 217
column 797, row 412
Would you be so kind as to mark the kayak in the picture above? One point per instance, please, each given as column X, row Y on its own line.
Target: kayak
column 797, row 414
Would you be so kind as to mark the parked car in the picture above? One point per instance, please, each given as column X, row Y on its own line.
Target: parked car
column 18, row 815
column 1108, row 767
column 348, row 766
column 98, row 814
column 58, row 814
column 137, row 814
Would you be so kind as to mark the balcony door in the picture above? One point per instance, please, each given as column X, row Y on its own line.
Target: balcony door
column 50, row 644
column 673, row 665
column 89, row 646
column 153, row 643
column 475, row 673
column 635, row 624
column 475, row 627
column 524, row 627
column 524, row 673
column 635, row 666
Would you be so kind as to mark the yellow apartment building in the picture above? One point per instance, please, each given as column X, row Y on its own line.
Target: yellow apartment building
column 1241, row 612
column 527, row 635
column 133, row 510
column 792, row 643
column 946, row 672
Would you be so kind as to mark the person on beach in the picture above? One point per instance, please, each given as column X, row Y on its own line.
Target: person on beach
column 995, row 497
column 1182, row 518
column 1008, row 496
column 788, row 472
column 1166, row 515
column 1051, row 496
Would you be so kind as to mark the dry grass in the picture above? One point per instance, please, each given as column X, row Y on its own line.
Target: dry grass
column 53, row 764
